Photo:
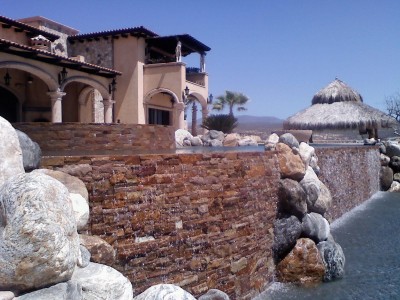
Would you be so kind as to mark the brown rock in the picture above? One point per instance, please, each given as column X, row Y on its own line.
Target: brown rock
column 101, row 252
column 291, row 164
column 302, row 265
column 231, row 140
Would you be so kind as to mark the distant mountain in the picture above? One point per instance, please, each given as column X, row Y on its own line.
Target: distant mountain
column 245, row 119
column 255, row 125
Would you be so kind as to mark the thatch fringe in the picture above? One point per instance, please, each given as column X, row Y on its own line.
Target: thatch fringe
column 336, row 91
column 339, row 115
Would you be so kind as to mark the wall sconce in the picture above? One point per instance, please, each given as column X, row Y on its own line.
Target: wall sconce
column 30, row 79
column 112, row 86
column 7, row 78
column 62, row 76
column 210, row 99
column 172, row 102
column 187, row 91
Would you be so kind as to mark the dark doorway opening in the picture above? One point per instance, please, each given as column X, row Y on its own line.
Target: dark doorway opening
column 8, row 105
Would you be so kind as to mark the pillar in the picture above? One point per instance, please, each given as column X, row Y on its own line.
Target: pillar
column 108, row 110
column 56, row 106
column 180, row 112
column 203, row 63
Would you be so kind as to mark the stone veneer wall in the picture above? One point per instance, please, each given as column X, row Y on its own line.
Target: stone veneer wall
column 203, row 221
column 69, row 138
column 200, row 221
column 351, row 174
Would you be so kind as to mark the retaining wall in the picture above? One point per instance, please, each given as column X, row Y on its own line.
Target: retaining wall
column 203, row 221
column 73, row 138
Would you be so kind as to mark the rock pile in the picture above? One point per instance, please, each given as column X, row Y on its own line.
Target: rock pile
column 389, row 176
column 214, row 138
column 304, row 250
column 41, row 255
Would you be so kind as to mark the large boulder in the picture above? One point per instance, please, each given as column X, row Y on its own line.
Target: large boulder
column 292, row 198
column 271, row 141
column 289, row 139
column 11, row 162
column 302, row 265
column 181, row 135
column 311, row 185
column 290, row 163
column 385, row 160
column 214, row 294
column 395, row 163
column 248, row 141
column 196, row 141
column 39, row 244
column 392, row 149
column 164, row 292
column 100, row 251
column 306, row 152
column 286, row 233
column 78, row 194
column 231, row 140
column 385, row 178
column 61, row 291
column 31, row 153
column 102, row 282
column 333, row 258
column 395, row 187
column 315, row 227
column 323, row 202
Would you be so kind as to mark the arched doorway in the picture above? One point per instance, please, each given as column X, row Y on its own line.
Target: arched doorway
column 8, row 105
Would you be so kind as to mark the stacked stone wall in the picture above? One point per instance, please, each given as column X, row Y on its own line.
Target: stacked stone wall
column 351, row 174
column 201, row 221
column 72, row 138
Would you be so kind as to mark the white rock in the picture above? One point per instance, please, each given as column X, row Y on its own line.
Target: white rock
column 81, row 210
column 78, row 194
column 247, row 141
column 271, row 141
column 180, row 135
column 39, row 244
column 11, row 162
column 6, row 295
column 62, row 291
column 306, row 153
column 395, row 187
column 164, row 292
column 100, row 282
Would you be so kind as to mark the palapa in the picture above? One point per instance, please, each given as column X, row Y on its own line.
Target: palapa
column 338, row 106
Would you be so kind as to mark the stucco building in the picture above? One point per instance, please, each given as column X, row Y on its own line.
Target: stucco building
column 50, row 72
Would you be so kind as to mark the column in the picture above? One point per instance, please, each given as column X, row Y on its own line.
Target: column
column 108, row 110
column 179, row 108
column 203, row 63
column 56, row 106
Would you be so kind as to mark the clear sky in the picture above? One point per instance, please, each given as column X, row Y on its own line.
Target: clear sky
column 278, row 53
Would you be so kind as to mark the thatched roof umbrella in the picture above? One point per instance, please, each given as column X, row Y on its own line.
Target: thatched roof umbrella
column 337, row 106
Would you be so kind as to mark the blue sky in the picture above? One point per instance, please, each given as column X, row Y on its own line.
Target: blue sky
column 278, row 53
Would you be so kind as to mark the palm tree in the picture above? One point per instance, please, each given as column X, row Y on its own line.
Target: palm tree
column 231, row 99
column 192, row 101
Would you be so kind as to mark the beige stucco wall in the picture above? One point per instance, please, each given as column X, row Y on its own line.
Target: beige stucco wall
column 129, row 55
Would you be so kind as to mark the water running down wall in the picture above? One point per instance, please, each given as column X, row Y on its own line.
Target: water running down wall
column 203, row 221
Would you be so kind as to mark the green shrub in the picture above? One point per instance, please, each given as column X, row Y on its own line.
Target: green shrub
column 224, row 123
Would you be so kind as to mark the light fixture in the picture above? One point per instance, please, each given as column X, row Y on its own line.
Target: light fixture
column 187, row 91
column 172, row 101
column 30, row 79
column 210, row 99
column 112, row 86
column 62, row 76
column 7, row 78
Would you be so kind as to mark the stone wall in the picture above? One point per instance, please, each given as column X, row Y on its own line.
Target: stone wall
column 203, row 221
column 98, row 52
column 77, row 138
column 351, row 174
column 200, row 221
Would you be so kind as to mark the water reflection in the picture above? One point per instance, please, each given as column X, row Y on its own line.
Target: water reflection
column 369, row 236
